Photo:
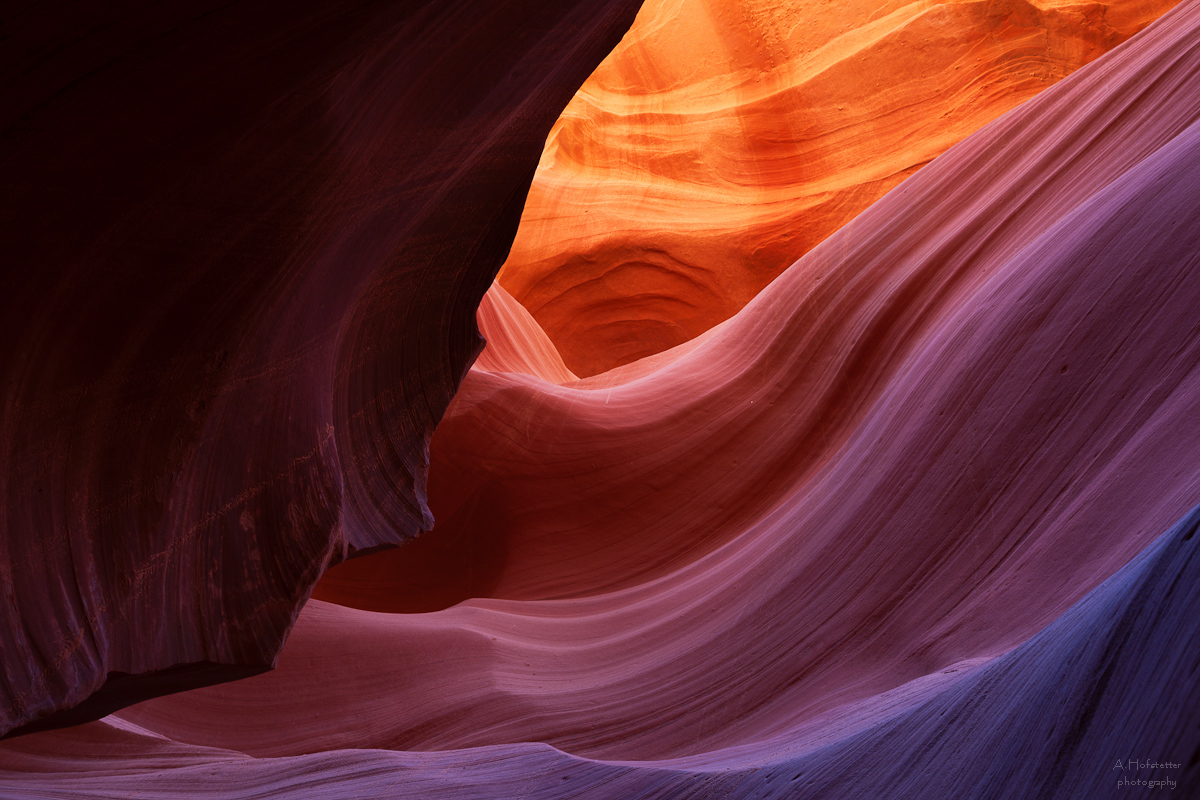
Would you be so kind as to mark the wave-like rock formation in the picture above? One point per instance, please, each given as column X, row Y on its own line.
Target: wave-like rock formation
column 893, row 529
column 722, row 140
column 919, row 520
column 243, row 245
column 1115, row 674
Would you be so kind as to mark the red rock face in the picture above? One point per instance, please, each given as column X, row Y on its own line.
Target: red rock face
column 919, row 520
column 723, row 140
column 244, row 246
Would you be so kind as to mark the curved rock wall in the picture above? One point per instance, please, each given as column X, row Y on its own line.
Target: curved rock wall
column 919, row 520
column 243, row 249
column 722, row 140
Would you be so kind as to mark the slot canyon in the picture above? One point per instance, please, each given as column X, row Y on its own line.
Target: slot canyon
column 615, row 399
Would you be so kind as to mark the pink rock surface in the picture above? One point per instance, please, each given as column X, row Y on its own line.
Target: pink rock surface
column 917, row 448
column 895, row 529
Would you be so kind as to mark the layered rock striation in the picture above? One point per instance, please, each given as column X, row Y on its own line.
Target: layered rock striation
column 917, row 520
column 722, row 140
column 243, row 249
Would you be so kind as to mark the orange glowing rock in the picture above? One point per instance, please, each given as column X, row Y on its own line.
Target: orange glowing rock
column 721, row 141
